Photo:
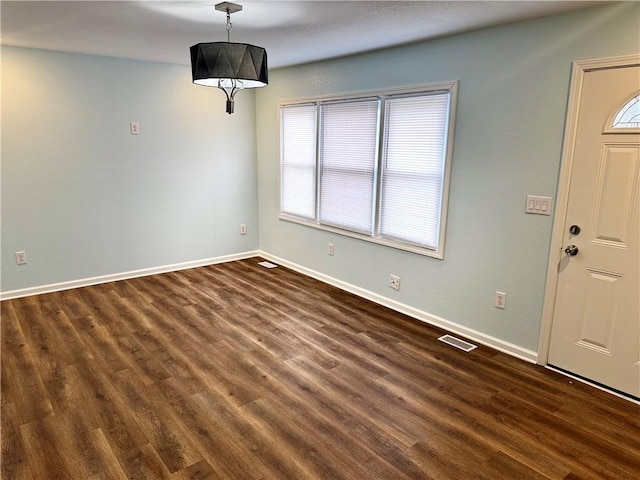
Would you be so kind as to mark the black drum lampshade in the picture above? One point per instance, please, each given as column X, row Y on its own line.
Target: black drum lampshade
column 229, row 66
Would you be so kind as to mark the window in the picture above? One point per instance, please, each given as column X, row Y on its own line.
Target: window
column 298, row 161
column 374, row 167
column 347, row 157
column 413, row 160
column 629, row 115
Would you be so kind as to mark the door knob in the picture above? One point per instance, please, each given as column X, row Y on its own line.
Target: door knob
column 571, row 250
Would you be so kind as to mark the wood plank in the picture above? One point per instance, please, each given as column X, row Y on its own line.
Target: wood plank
column 14, row 464
column 21, row 381
column 175, row 448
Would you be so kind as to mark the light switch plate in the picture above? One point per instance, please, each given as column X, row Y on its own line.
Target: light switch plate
column 538, row 205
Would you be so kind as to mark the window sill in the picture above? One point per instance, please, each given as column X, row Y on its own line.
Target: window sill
column 377, row 240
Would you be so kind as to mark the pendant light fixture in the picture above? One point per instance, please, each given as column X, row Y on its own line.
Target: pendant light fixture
column 229, row 66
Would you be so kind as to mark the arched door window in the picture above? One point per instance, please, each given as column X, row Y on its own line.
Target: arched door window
column 628, row 116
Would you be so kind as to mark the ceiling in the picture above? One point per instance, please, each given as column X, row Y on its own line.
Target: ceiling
column 293, row 32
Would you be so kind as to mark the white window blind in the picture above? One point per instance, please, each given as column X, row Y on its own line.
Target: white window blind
column 413, row 165
column 348, row 147
column 298, row 160
column 373, row 166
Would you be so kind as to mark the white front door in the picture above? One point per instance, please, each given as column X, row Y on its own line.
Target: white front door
column 596, row 320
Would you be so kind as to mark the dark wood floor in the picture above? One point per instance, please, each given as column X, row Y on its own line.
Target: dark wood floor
column 239, row 372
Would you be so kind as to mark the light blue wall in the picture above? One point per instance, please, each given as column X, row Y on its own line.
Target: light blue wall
column 85, row 198
column 513, row 92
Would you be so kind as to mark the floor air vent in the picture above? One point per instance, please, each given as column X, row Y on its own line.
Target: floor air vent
column 456, row 342
column 266, row 264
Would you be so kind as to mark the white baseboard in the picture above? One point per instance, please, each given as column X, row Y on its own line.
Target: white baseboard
column 469, row 333
column 474, row 335
column 85, row 282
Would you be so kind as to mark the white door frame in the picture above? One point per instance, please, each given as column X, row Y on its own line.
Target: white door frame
column 562, row 197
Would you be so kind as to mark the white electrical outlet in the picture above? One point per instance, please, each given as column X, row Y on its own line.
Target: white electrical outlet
column 394, row 281
column 21, row 258
column 243, row 229
column 331, row 250
column 135, row 128
column 501, row 300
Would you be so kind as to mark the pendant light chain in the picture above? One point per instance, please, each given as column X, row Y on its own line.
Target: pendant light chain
column 229, row 25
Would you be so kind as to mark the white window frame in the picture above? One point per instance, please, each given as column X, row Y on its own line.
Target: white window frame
column 433, row 88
